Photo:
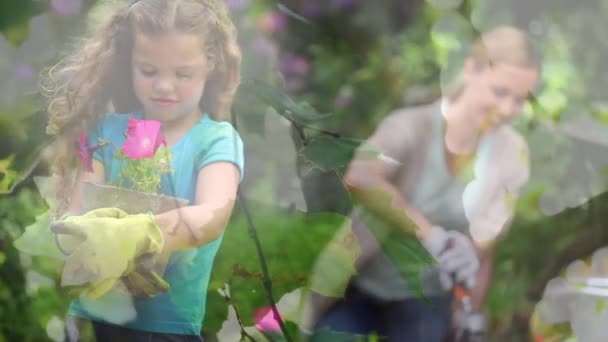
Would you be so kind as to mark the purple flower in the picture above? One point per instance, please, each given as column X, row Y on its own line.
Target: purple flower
column 312, row 9
column 85, row 152
column 264, row 47
column 294, row 65
column 66, row 7
column 24, row 72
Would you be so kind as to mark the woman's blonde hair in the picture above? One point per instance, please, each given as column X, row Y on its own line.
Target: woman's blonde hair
column 504, row 45
column 500, row 45
column 82, row 86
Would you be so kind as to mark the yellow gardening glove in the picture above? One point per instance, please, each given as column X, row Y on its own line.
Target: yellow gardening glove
column 145, row 281
column 67, row 243
column 103, row 245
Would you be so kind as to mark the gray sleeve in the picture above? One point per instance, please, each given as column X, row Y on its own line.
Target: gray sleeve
column 398, row 135
column 394, row 136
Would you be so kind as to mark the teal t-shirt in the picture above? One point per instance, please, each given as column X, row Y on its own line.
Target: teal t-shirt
column 182, row 308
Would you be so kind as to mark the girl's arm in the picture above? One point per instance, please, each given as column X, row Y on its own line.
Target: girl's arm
column 199, row 224
column 97, row 176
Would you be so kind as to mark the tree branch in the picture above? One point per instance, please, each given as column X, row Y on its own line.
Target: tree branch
column 584, row 245
column 238, row 316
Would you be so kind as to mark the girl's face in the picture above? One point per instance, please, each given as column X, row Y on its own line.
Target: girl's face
column 497, row 93
column 169, row 74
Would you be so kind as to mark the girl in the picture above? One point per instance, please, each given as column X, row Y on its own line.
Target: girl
column 177, row 62
column 449, row 172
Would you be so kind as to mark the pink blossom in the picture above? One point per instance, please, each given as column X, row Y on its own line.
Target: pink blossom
column 266, row 320
column 85, row 152
column 273, row 22
column 294, row 65
column 143, row 138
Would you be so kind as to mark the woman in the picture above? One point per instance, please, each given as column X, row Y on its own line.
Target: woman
column 447, row 172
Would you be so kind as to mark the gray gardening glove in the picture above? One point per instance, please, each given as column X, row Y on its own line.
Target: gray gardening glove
column 435, row 244
column 460, row 259
column 456, row 255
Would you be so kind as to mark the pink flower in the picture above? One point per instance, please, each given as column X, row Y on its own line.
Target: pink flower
column 266, row 321
column 143, row 138
column 85, row 152
column 273, row 22
column 294, row 65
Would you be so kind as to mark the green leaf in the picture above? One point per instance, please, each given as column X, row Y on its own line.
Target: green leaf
column 404, row 250
column 216, row 311
column 250, row 111
column 28, row 163
column 297, row 246
column 15, row 119
column 15, row 16
column 330, row 153
column 300, row 113
column 7, row 174
column 2, row 258
column 38, row 240
column 291, row 242
column 17, row 34
column 410, row 259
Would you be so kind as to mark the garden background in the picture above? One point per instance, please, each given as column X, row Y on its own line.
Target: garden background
column 318, row 76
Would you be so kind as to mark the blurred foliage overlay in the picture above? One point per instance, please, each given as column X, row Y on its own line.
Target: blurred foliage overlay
column 318, row 76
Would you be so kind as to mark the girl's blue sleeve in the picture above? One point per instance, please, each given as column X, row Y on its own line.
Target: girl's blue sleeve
column 224, row 145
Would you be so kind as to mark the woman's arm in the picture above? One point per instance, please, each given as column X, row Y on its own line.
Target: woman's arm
column 199, row 224
column 483, row 279
column 368, row 181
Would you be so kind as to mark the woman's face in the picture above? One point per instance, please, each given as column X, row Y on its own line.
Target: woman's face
column 497, row 93
column 169, row 74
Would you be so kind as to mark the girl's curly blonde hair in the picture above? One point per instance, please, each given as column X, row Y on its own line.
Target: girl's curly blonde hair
column 82, row 86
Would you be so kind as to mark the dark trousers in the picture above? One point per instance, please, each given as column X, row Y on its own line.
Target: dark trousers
column 103, row 332
column 409, row 320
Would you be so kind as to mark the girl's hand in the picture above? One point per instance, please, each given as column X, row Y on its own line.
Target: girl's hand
column 102, row 246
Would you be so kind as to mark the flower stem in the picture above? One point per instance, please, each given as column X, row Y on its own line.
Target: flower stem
column 264, row 265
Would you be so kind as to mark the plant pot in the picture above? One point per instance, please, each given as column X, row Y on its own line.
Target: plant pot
column 133, row 202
